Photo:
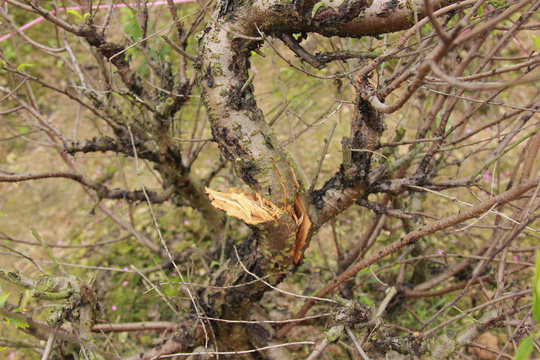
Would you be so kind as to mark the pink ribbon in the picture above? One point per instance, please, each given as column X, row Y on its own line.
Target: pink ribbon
column 95, row 7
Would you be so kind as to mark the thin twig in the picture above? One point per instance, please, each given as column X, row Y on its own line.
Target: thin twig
column 319, row 349
column 356, row 344
column 50, row 254
column 178, row 49
column 48, row 347
column 323, row 155
column 240, row 351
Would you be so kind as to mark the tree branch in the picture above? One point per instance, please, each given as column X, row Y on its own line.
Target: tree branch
column 102, row 191
column 105, row 143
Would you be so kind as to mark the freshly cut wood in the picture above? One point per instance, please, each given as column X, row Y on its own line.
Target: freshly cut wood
column 251, row 209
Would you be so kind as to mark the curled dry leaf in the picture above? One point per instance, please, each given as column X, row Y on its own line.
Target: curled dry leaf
column 251, row 209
